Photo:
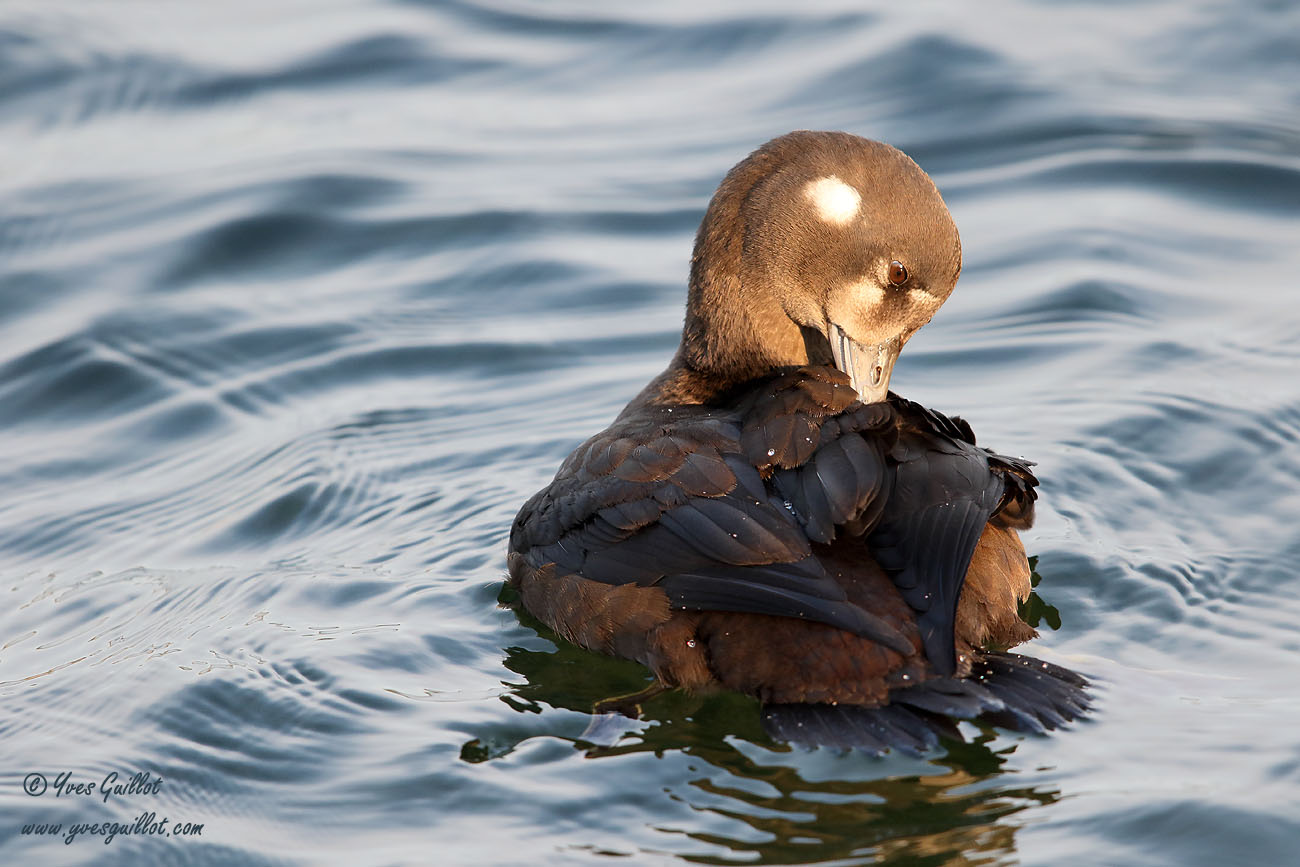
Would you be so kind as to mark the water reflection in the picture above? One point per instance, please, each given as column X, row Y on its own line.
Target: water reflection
column 762, row 801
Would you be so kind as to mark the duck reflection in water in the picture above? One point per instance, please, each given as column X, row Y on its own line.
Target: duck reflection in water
column 767, row 518
column 762, row 803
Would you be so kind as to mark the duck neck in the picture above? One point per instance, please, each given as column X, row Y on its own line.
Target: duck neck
column 732, row 335
column 736, row 329
column 735, row 333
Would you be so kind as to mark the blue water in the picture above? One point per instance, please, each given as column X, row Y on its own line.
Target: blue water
column 299, row 301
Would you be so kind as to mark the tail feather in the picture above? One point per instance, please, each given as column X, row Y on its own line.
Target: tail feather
column 962, row 698
column 873, row 729
column 1040, row 696
column 1004, row 689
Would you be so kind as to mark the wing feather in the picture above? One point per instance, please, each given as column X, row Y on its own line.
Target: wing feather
column 720, row 508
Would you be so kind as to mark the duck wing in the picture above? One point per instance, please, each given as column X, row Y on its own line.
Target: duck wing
column 911, row 477
column 720, row 508
column 683, row 500
column 944, row 491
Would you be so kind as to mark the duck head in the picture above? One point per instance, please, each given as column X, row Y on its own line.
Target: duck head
column 819, row 248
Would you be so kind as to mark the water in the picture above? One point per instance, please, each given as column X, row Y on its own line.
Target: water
column 300, row 301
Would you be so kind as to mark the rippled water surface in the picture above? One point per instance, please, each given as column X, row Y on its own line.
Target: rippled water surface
column 300, row 300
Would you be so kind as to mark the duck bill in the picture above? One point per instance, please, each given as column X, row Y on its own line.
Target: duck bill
column 868, row 367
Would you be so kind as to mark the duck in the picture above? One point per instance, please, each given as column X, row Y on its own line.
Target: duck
column 767, row 517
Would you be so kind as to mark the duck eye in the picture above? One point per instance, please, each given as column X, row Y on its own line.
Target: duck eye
column 897, row 273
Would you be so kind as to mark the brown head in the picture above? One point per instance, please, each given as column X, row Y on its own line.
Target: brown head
column 819, row 247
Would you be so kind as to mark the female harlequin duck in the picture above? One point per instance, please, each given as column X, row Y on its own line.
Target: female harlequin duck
column 765, row 516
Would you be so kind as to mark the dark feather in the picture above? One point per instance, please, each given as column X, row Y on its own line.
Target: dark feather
column 944, row 491
column 871, row 729
column 672, row 499
column 1012, row 691
column 704, row 474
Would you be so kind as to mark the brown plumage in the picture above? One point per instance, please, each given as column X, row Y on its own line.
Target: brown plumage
column 765, row 516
